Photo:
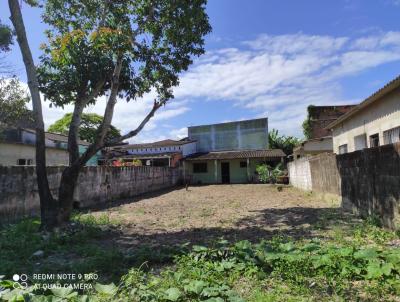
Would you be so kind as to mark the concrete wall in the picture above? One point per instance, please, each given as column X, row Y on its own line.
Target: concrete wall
column 378, row 117
column 325, row 176
column 370, row 182
column 367, row 181
column 96, row 185
column 300, row 174
column 10, row 153
column 241, row 135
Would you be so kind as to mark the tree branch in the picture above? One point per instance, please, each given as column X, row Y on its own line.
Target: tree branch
column 135, row 132
column 73, row 133
column 108, row 115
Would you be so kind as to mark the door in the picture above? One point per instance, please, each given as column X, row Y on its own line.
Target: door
column 225, row 173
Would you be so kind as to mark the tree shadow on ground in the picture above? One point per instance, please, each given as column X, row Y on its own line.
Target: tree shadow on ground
column 295, row 222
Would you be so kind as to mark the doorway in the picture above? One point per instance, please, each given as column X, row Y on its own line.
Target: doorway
column 225, row 173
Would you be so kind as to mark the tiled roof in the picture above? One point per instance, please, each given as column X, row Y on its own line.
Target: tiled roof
column 163, row 143
column 268, row 153
column 374, row 97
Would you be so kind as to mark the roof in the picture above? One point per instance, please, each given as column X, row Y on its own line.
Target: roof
column 268, row 153
column 163, row 143
column 58, row 137
column 145, row 156
column 389, row 87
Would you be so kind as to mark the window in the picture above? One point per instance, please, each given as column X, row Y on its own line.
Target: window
column 243, row 164
column 200, row 168
column 21, row 162
column 374, row 140
column 360, row 142
column 24, row 162
column 343, row 149
column 391, row 136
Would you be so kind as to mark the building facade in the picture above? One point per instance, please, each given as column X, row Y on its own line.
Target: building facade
column 229, row 152
column 240, row 135
column 313, row 146
column 161, row 153
column 17, row 147
column 374, row 122
column 320, row 138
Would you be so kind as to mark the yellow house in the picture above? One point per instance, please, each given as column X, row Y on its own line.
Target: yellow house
column 17, row 148
column 374, row 122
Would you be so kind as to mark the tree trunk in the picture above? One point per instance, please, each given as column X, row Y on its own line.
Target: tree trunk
column 48, row 206
column 66, row 191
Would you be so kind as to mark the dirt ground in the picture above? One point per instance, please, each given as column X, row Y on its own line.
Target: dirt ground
column 205, row 213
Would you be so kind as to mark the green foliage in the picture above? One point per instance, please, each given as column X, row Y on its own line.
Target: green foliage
column 285, row 143
column 6, row 37
column 268, row 174
column 90, row 123
column 280, row 269
column 307, row 124
column 13, row 100
column 156, row 40
column 213, row 273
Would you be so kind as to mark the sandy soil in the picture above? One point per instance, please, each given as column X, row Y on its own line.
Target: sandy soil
column 205, row 213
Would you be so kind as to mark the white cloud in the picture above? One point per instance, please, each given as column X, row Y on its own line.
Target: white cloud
column 274, row 76
column 179, row 133
column 279, row 76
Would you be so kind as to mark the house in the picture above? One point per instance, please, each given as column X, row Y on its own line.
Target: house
column 320, row 138
column 229, row 152
column 17, row 147
column 313, row 146
column 374, row 122
column 161, row 153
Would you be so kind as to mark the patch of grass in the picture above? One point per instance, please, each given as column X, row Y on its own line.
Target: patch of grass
column 352, row 262
column 140, row 211
column 274, row 270
column 206, row 212
column 94, row 220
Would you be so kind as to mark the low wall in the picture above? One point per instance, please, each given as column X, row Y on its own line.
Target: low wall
column 367, row 181
column 300, row 174
column 325, row 176
column 96, row 185
column 370, row 182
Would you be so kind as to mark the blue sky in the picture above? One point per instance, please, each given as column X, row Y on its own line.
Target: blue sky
column 265, row 58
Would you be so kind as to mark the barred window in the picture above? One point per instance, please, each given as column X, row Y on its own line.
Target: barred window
column 391, row 136
column 374, row 140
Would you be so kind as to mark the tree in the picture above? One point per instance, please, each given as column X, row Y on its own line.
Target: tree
column 307, row 127
column 90, row 123
column 13, row 100
column 6, row 37
column 285, row 143
column 268, row 174
column 6, row 40
column 48, row 206
column 120, row 48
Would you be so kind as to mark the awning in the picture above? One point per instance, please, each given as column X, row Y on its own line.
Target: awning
column 240, row 154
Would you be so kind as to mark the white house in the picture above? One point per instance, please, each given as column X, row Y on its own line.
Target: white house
column 374, row 122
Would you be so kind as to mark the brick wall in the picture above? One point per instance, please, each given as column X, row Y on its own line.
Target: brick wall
column 96, row 185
